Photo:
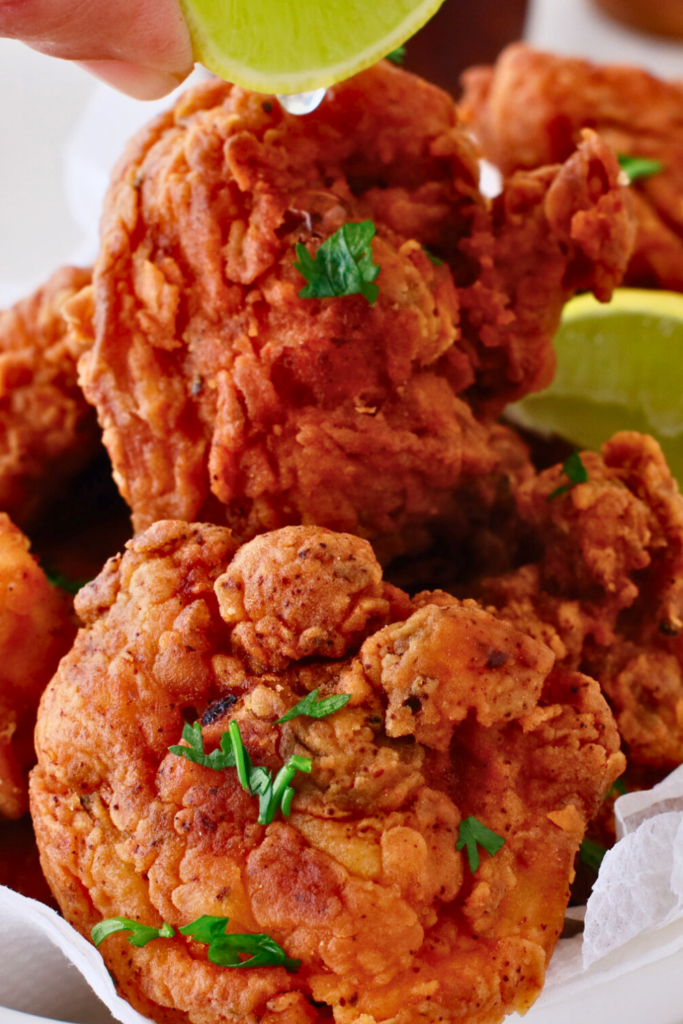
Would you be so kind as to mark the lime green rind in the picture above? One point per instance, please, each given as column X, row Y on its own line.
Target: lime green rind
column 262, row 46
column 627, row 300
column 631, row 373
column 589, row 425
column 620, row 367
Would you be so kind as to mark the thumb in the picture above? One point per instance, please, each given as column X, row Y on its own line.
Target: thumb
column 141, row 47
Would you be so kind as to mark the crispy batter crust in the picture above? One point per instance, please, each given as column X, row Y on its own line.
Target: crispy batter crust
column 226, row 397
column 34, row 633
column 47, row 430
column 452, row 713
column 607, row 591
column 529, row 109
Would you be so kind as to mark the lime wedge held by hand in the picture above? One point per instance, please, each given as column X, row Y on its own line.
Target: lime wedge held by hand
column 619, row 367
column 290, row 46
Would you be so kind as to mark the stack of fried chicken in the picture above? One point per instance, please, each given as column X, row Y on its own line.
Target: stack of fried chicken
column 255, row 738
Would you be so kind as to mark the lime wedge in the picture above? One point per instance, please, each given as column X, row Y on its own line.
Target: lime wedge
column 293, row 46
column 619, row 367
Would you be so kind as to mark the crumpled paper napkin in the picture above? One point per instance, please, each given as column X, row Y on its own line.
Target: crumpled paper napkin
column 640, row 885
column 48, row 969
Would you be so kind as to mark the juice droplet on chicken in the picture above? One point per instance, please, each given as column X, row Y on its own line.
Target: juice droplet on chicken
column 300, row 103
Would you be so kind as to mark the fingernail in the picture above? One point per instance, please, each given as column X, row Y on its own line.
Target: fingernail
column 133, row 79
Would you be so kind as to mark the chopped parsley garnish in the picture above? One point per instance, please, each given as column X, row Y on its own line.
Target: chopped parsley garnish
column 224, row 949
column 639, row 166
column 473, row 834
column 142, row 933
column 592, row 854
column 397, row 56
column 577, row 473
column 431, row 257
column 58, row 579
column 342, row 265
column 315, row 708
column 273, row 794
column 618, row 788
column 219, row 759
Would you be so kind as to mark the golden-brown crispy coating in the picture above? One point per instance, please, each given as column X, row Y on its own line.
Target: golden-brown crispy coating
column 35, row 631
column 452, row 713
column 530, row 108
column 47, row 430
column 226, row 397
column 606, row 593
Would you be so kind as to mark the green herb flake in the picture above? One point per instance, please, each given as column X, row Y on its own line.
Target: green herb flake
column 473, row 834
column 592, row 854
column 58, row 579
column 431, row 257
column 639, row 166
column 314, row 708
column 577, row 473
column 397, row 56
column 141, row 933
column 618, row 788
column 194, row 751
column 343, row 265
column 273, row 794
column 224, row 950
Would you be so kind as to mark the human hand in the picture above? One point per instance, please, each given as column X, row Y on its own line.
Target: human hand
column 141, row 47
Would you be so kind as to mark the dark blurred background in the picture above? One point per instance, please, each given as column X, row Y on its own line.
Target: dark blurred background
column 462, row 33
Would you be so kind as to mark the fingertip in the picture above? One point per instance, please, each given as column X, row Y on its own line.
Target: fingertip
column 142, row 83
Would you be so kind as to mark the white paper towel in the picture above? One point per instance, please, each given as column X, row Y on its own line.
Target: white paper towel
column 632, row 809
column 48, row 969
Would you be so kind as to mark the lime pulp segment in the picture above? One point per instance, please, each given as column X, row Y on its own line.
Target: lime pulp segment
column 291, row 46
column 619, row 367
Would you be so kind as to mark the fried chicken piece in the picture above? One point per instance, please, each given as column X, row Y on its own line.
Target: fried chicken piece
column 530, row 108
column 226, row 397
column 554, row 231
column 452, row 713
column 606, row 593
column 47, row 430
column 35, row 631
